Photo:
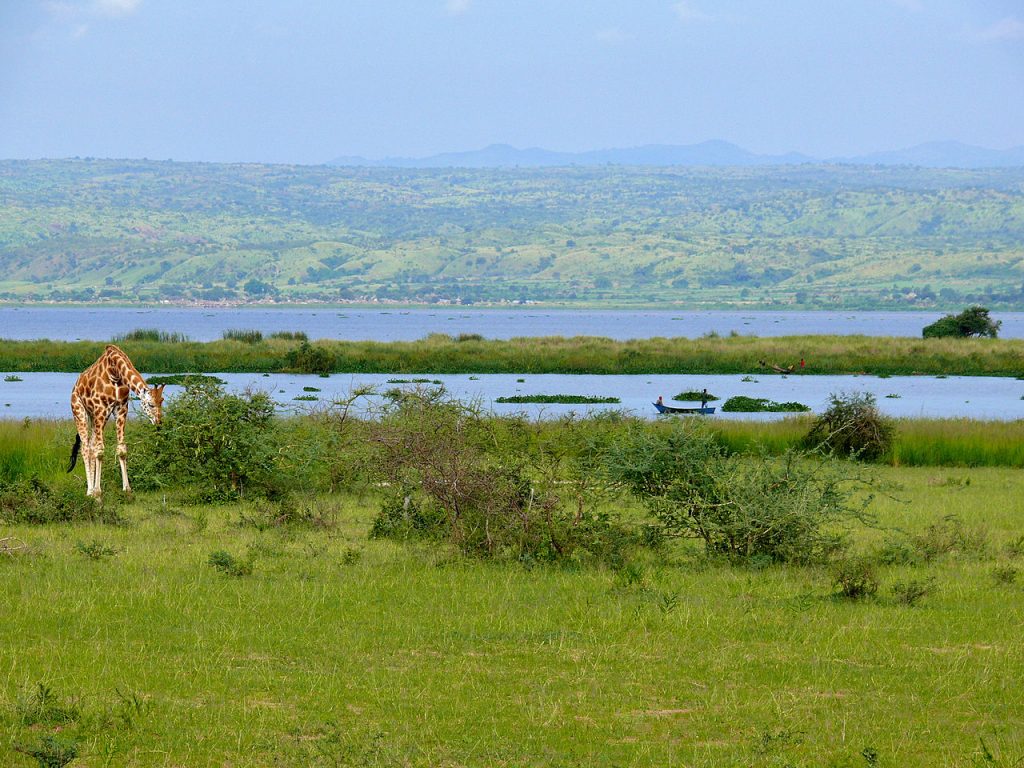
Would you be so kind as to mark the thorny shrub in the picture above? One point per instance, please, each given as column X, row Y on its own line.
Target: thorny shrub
column 852, row 427
column 782, row 509
column 483, row 484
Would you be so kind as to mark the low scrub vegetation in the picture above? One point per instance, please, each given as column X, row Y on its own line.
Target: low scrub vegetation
column 775, row 509
column 852, row 426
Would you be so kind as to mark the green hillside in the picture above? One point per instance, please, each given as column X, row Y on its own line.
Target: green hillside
column 812, row 236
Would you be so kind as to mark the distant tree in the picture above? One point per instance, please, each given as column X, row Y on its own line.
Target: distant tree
column 256, row 287
column 973, row 321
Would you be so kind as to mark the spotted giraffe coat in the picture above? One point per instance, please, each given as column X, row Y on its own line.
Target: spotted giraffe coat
column 102, row 391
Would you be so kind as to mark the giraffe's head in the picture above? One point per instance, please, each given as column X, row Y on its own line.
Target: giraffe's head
column 152, row 403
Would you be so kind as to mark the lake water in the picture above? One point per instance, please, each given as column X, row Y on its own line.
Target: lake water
column 45, row 395
column 205, row 324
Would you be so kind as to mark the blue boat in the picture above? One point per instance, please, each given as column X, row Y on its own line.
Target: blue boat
column 704, row 411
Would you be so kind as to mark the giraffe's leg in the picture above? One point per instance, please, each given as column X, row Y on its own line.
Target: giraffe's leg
column 122, row 448
column 97, row 454
column 89, row 459
column 82, row 424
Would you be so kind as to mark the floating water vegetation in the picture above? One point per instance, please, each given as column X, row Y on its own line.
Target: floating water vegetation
column 749, row 379
column 693, row 395
column 744, row 404
column 562, row 399
column 183, row 379
column 12, row 377
column 311, row 389
column 414, row 381
column 305, row 397
column 894, row 396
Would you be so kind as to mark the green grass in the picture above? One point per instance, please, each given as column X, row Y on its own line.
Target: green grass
column 339, row 650
column 440, row 353
column 918, row 443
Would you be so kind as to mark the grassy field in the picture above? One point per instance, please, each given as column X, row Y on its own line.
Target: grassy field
column 180, row 633
column 338, row 650
column 440, row 353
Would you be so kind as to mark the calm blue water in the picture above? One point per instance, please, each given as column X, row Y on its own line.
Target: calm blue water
column 204, row 324
column 45, row 395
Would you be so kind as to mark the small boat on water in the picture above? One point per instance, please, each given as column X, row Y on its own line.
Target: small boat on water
column 705, row 411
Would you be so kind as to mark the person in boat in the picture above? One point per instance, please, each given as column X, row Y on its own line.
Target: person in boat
column 661, row 400
column 704, row 398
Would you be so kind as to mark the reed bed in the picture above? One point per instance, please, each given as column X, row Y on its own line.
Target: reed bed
column 439, row 353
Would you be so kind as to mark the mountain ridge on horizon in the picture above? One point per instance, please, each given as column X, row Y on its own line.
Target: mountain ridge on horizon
column 714, row 152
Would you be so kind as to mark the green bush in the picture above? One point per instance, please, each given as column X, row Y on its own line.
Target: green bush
column 221, row 445
column 784, row 509
column 973, row 321
column 951, row 535
column 476, row 482
column 852, row 426
column 33, row 501
column 230, row 565
column 306, row 358
column 855, row 578
column 911, row 592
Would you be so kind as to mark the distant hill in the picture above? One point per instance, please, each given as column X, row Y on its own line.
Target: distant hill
column 707, row 153
column 811, row 236
column 944, row 154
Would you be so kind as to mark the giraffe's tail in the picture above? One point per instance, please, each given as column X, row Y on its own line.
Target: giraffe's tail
column 74, row 452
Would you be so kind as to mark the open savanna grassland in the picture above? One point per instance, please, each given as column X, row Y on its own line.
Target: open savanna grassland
column 440, row 353
column 807, row 236
column 329, row 648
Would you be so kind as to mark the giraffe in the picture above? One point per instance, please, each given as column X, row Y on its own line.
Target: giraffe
column 101, row 392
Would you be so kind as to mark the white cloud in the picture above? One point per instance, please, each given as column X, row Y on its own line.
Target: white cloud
column 116, row 7
column 1010, row 28
column 457, row 7
column 612, row 36
column 77, row 16
column 687, row 12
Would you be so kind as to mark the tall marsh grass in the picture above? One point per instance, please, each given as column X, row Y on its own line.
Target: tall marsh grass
column 440, row 353
column 151, row 334
column 250, row 336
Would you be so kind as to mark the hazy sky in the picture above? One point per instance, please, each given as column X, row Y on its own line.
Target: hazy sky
column 308, row 80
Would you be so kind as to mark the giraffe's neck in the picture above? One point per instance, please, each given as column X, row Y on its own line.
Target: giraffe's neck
column 122, row 370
